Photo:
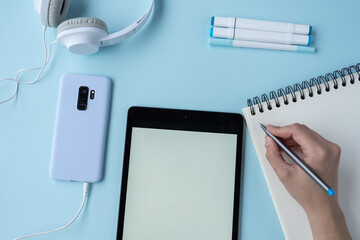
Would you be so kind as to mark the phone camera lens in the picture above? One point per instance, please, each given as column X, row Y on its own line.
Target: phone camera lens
column 83, row 98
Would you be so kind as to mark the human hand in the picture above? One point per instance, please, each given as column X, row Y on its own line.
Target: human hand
column 323, row 157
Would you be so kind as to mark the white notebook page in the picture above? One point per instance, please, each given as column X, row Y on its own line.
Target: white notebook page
column 335, row 115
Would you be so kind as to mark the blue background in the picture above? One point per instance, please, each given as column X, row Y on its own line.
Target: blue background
column 167, row 64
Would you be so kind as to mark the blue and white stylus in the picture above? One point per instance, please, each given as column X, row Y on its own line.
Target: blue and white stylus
column 301, row 163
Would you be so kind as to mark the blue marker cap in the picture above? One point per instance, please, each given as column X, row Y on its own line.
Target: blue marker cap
column 213, row 19
column 310, row 39
column 331, row 192
column 310, row 30
column 211, row 32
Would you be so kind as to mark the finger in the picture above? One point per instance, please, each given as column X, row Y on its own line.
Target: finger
column 281, row 168
column 299, row 133
column 294, row 149
column 290, row 142
column 317, row 135
column 292, row 145
column 324, row 145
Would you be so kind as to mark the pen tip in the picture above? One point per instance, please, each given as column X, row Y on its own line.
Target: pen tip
column 262, row 126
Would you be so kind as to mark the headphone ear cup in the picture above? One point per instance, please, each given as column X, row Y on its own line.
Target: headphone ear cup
column 81, row 35
column 57, row 11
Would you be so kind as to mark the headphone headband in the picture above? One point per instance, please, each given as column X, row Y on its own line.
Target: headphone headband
column 127, row 32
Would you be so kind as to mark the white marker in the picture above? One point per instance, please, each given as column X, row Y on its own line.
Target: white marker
column 260, row 36
column 244, row 23
column 262, row 45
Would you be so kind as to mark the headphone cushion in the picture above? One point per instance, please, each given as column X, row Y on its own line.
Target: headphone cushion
column 57, row 11
column 82, row 22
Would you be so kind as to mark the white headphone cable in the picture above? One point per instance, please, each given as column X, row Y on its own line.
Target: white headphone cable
column 86, row 190
column 46, row 60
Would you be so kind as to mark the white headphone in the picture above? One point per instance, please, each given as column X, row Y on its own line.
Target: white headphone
column 82, row 35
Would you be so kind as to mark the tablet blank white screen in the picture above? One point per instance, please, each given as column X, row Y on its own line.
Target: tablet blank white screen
column 180, row 185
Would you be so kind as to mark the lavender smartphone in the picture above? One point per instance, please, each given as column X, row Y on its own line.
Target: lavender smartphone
column 80, row 129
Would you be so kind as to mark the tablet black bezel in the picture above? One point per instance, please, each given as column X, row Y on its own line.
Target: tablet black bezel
column 187, row 120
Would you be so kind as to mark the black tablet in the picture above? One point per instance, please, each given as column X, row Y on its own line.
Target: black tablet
column 181, row 175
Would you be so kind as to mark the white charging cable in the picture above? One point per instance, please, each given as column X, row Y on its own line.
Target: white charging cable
column 16, row 79
column 86, row 190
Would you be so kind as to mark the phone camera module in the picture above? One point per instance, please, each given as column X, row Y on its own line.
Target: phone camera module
column 83, row 98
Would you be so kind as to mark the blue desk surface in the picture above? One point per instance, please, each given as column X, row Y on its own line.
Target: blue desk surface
column 168, row 64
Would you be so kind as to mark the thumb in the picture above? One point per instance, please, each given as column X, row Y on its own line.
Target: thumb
column 276, row 160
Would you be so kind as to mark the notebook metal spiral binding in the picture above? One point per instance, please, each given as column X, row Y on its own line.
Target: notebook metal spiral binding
column 303, row 88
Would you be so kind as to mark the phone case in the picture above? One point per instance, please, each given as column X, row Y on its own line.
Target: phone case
column 80, row 135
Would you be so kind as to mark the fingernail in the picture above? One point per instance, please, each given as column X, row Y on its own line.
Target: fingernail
column 267, row 141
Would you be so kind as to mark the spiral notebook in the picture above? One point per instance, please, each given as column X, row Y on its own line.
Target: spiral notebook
column 328, row 104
